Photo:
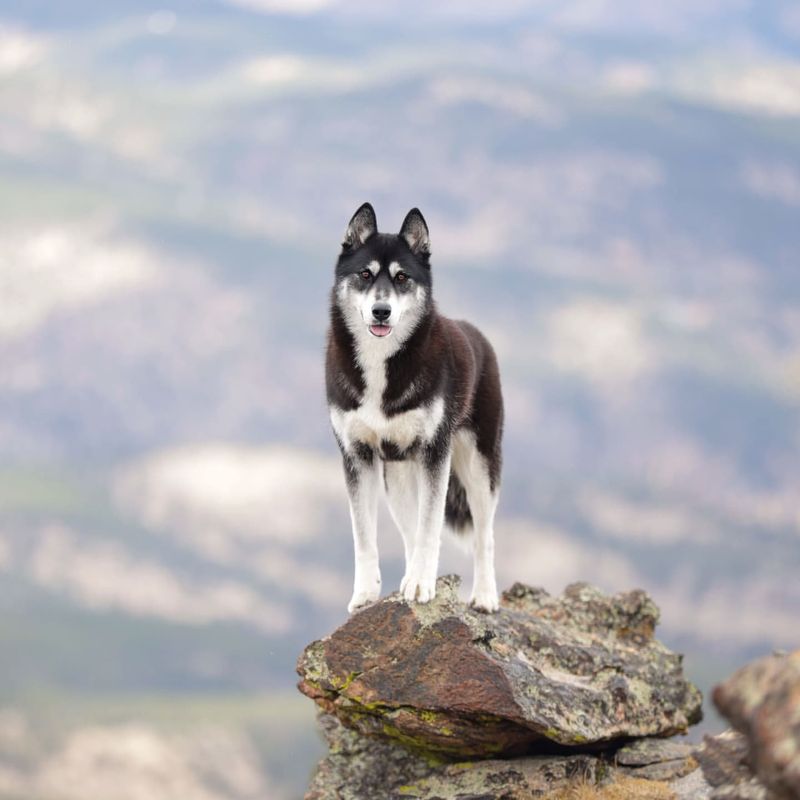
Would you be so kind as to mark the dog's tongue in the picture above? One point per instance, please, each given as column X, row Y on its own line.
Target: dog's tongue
column 380, row 330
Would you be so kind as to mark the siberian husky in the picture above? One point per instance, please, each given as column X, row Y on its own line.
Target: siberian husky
column 415, row 401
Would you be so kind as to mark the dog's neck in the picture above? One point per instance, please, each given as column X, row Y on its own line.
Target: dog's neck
column 357, row 354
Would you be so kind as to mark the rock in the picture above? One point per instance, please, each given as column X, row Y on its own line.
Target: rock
column 359, row 767
column 573, row 671
column 664, row 771
column 693, row 786
column 751, row 789
column 656, row 759
column 723, row 759
column 644, row 752
column 762, row 700
column 724, row 765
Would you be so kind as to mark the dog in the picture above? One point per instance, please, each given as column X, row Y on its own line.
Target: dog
column 415, row 400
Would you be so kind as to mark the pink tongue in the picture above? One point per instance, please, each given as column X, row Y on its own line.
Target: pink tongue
column 380, row 330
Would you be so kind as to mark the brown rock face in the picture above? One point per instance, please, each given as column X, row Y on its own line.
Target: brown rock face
column 580, row 669
column 762, row 700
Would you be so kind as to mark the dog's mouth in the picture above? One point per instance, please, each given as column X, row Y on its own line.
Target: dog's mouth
column 376, row 329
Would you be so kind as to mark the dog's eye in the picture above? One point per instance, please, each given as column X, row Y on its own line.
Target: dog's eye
column 365, row 274
column 401, row 277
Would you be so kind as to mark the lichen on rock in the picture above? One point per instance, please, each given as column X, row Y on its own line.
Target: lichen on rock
column 358, row 767
column 582, row 669
column 574, row 692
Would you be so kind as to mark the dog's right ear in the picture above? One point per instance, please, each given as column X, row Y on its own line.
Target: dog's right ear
column 361, row 227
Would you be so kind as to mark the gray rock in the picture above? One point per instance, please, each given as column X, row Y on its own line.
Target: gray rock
column 359, row 767
column 656, row 759
column 664, row 771
column 576, row 670
column 750, row 789
column 652, row 751
column 693, row 786
column 723, row 759
column 762, row 700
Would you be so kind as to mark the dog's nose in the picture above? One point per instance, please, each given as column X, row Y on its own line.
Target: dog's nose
column 381, row 311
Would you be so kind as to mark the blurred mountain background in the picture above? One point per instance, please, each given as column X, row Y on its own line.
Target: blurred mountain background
column 613, row 192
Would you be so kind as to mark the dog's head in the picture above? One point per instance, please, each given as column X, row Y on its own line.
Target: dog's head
column 383, row 281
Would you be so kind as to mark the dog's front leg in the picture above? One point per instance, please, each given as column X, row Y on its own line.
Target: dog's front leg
column 363, row 483
column 419, row 582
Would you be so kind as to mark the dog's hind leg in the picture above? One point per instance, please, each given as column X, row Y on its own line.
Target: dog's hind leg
column 362, row 472
column 402, row 494
column 473, row 472
column 484, row 583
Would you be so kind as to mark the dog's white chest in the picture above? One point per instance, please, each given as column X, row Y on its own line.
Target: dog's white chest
column 369, row 424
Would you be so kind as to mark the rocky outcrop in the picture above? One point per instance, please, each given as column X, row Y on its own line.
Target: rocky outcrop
column 582, row 670
column 574, row 692
column 762, row 701
column 359, row 767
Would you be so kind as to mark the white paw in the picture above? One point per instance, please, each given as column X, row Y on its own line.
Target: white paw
column 363, row 597
column 416, row 587
column 484, row 598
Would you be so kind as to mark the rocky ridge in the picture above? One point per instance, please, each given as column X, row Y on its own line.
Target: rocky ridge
column 548, row 696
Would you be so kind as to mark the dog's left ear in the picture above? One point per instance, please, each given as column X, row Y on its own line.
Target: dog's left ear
column 415, row 232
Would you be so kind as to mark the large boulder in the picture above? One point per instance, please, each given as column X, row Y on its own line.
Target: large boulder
column 577, row 671
column 762, row 701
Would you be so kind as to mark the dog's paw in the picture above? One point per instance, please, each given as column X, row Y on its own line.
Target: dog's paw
column 416, row 588
column 363, row 598
column 484, row 599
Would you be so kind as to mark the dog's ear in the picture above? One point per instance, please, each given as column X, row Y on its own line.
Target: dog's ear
column 360, row 228
column 415, row 232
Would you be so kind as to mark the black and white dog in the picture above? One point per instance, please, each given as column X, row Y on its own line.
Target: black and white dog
column 415, row 399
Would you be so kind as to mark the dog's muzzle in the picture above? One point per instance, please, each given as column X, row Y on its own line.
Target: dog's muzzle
column 380, row 314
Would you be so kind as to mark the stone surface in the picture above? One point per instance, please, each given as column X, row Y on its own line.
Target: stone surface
column 723, row 759
column 762, row 700
column 359, row 767
column 724, row 764
column 652, row 751
column 693, row 786
column 576, row 670
column 751, row 789
column 656, row 759
column 665, row 770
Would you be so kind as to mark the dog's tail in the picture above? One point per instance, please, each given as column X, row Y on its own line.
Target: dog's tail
column 457, row 513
